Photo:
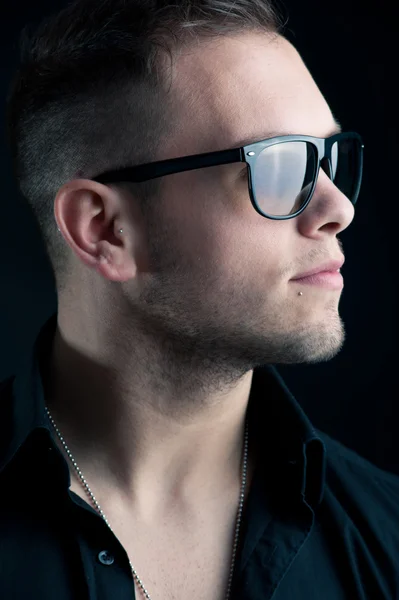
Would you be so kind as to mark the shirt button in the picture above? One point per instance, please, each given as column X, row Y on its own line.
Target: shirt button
column 106, row 558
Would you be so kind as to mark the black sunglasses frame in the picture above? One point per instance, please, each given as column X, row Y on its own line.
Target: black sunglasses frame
column 247, row 154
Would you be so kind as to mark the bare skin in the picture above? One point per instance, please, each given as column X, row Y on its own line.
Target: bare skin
column 153, row 358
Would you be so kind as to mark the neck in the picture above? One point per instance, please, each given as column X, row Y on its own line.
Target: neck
column 132, row 434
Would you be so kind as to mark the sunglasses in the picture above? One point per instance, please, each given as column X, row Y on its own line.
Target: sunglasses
column 282, row 171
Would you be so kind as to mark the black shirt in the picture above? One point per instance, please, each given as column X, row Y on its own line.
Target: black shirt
column 320, row 523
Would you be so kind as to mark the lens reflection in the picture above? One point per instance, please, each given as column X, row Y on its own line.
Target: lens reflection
column 283, row 177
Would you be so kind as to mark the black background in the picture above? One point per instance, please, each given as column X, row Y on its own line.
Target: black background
column 350, row 48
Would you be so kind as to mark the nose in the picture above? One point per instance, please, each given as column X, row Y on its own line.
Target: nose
column 329, row 209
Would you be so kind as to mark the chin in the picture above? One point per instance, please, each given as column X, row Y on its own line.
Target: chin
column 326, row 345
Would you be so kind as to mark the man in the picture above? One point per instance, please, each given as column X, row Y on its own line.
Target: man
column 149, row 448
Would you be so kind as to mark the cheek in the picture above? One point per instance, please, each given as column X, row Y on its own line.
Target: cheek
column 249, row 254
column 188, row 223
column 218, row 233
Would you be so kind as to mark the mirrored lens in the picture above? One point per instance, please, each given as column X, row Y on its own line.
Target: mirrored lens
column 283, row 177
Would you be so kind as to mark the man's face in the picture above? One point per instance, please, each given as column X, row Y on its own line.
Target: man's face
column 220, row 274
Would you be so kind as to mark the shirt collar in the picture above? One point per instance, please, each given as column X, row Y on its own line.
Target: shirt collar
column 286, row 437
column 27, row 409
column 282, row 429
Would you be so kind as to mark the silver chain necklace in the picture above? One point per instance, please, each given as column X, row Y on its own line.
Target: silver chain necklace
column 99, row 509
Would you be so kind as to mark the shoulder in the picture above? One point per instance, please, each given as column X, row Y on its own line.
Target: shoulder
column 359, row 489
column 344, row 461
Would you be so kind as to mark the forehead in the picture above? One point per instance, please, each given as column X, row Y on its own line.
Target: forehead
column 243, row 87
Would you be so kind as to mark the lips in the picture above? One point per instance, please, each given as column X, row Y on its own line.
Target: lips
column 332, row 280
column 329, row 267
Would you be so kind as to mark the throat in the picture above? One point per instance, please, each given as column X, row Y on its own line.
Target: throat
column 172, row 551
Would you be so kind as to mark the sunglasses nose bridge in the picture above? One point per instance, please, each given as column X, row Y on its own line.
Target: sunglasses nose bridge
column 325, row 164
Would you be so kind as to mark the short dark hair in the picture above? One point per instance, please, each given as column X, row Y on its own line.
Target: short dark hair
column 90, row 92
